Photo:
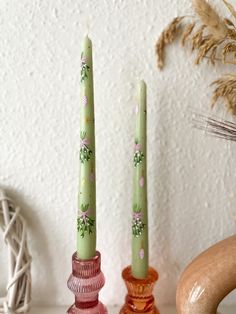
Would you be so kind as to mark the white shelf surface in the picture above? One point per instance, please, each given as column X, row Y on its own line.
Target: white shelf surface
column 115, row 310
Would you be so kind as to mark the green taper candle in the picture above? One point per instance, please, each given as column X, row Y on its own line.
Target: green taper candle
column 140, row 215
column 86, row 222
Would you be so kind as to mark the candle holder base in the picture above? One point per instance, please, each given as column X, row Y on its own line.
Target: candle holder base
column 139, row 298
column 85, row 282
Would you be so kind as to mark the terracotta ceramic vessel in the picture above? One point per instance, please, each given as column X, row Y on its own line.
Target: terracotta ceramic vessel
column 208, row 279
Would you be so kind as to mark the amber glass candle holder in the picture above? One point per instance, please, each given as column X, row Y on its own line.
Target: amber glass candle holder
column 85, row 282
column 139, row 298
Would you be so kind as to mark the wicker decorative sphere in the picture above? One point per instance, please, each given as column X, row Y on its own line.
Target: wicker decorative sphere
column 18, row 290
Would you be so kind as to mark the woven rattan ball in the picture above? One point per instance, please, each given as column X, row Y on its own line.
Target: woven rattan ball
column 18, row 290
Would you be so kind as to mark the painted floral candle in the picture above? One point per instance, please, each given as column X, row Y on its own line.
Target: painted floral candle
column 140, row 217
column 86, row 222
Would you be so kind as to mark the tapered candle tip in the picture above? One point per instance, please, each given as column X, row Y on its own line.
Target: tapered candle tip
column 87, row 43
column 142, row 88
column 87, row 38
column 142, row 84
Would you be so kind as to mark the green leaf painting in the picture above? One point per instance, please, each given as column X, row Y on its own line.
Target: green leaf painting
column 84, row 68
column 84, row 222
column 85, row 151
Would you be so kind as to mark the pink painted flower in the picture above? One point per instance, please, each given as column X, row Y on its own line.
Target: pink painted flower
column 141, row 253
column 142, row 182
column 137, row 147
column 137, row 215
column 84, row 142
column 92, row 177
column 83, row 60
column 84, row 214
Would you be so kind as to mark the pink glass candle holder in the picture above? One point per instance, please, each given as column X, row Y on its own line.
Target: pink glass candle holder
column 85, row 282
column 139, row 298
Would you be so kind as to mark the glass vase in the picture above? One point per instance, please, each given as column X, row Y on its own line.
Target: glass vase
column 139, row 298
column 85, row 282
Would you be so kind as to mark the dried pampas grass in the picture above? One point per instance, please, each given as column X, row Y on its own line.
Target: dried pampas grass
column 230, row 48
column 167, row 37
column 187, row 32
column 226, row 89
column 210, row 18
column 231, row 8
column 211, row 37
column 207, row 34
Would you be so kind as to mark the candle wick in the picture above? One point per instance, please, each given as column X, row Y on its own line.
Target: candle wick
column 87, row 27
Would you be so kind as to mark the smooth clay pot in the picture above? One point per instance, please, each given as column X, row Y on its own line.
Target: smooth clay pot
column 208, row 279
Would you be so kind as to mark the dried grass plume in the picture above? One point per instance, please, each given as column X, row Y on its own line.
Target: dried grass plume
column 167, row 37
column 211, row 37
column 226, row 89
column 210, row 18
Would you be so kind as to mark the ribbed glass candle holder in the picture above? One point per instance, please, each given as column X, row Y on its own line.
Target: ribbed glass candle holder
column 139, row 298
column 85, row 282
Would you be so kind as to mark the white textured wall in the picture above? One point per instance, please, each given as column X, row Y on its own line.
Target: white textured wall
column 192, row 181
